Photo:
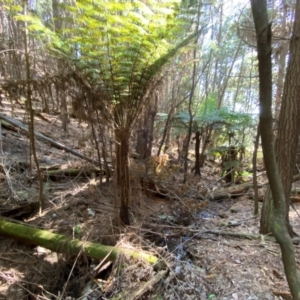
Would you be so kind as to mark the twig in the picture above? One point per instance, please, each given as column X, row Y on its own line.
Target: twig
column 74, row 264
column 1, row 140
column 9, row 182
column 148, row 286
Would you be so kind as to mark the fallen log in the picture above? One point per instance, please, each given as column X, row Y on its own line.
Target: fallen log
column 63, row 244
column 58, row 173
column 44, row 138
column 231, row 191
column 240, row 189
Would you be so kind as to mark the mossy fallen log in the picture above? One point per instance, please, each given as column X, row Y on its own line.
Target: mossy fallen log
column 63, row 244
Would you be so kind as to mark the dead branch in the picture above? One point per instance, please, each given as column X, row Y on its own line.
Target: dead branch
column 148, row 286
column 49, row 140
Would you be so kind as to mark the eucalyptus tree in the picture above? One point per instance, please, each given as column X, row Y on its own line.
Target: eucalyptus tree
column 283, row 19
column 288, row 129
column 279, row 224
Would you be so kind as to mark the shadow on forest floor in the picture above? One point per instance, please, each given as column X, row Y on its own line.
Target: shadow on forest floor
column 201, row 264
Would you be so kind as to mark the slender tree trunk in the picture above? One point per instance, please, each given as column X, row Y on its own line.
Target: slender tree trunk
column 31, row 123
column 60, row 65
column 122, row 136
column 149, row 119
column 192, row 93
column 187, row 139
column 150, row 136
column 279, row 225
column 197, row 154
column 240, row 82
column 254, row 164
column 216, row 80
column 166, row 133
column 64, row 109
column 166, row 129
column 224, row 86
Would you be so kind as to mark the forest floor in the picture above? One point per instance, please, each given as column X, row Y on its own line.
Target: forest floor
column 205, row 260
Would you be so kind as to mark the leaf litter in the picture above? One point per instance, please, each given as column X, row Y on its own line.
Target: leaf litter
column 189, row 234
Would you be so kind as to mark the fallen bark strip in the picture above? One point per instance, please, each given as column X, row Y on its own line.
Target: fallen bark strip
column 238, row 189
column 284, row 295
column 148, row 286
column 243, row 235
column 49, row 140
column 61, row 243
column 39, row 114
column 231, row 191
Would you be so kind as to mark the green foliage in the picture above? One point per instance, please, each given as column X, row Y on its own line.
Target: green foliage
column 208, row 114
column 221, row 118
column 119, row 46
column 246, row 175
column 181, row 119
column 228, row 165
column 77, row 229
column 11, row 7
column 208, row 105
column 37, row 29
column 124, row 40
column 222, row 126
